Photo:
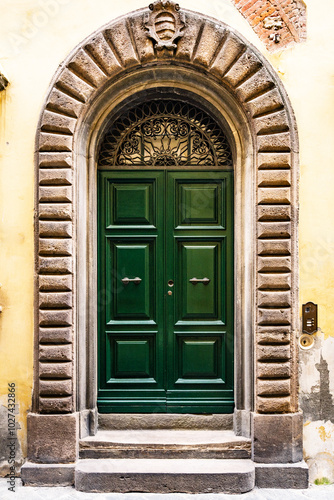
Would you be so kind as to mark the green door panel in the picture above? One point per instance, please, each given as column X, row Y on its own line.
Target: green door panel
column 165, row 342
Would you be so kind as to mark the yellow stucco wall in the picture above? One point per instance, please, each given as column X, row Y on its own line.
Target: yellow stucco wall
column 35, row 36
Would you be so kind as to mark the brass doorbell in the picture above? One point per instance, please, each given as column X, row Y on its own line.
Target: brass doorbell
column 306, row 341
column 310, row 318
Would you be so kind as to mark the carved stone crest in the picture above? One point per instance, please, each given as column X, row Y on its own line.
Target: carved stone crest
column 165, row 24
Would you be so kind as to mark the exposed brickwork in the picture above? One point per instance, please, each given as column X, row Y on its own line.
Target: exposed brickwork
column 278, row 23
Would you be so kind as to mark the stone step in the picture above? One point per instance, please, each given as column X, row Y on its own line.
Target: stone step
column 122, row 421
column 165, row 443
column 165, row 476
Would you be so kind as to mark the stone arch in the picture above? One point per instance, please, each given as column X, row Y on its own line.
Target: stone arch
column 215, row 53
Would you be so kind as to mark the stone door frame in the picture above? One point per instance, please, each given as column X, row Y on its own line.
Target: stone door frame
column 211, row 60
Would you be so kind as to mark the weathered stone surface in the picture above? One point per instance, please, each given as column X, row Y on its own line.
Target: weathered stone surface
column 54, row 122
column 272, row 299
column 55, row 160
column 55, row 387
column 54, row 265
column 122, row 43
column 61, row 176
column 273, row 352
column 270, row 101
column 247, row 63
column 266, row 404
column 229, row 52
column 186, row 44
column 56, row 335
column 276, row 281
column 211, row 37
column 280, row 387
column 55, row 246
column 33, row 474
column 274, row 230
column 75, row 86
column 277, row 121
column 63, row 103
column 56, row 352
column 274, row 142
column 55, row 193
column 52, row 438
column 274, row 160
column 274, row 370
column 294, row 476
column 56, row 405
column 55, row 142
column 273, row 247
column 277, row 438
column 61, row 211
column 274, row 316
column 56, row 317
column 273, row 212
column 83, row 65
column 55, row 229
column 55, row 300
column 102, row 54
column 143, row 43
column 259, row 82
column 55, row 283
column 274, row 264
column 274, row 195
column 55, row 370
column 274, row 178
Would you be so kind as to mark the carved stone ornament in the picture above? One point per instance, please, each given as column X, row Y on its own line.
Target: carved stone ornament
column 165, row 25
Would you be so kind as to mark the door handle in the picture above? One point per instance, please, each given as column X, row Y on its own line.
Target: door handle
column 126, row 281
column 205, row 281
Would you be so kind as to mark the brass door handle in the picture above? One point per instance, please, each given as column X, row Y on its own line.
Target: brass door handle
column 205, row 281
column 126, row 281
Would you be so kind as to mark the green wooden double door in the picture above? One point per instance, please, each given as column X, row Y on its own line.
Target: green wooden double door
column 165, row 291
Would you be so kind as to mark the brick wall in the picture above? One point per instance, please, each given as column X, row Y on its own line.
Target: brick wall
column 278, row 23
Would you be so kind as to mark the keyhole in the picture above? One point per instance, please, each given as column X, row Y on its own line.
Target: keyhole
column 170, row 283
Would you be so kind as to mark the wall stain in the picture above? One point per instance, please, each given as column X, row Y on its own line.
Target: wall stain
column 319, row 405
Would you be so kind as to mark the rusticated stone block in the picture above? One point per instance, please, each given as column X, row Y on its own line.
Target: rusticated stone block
column 71, row 83
column 274, row 178
column 245, row 65
column 274, row 213
column 294, row 476
column 274, row 264
column 84, row 66
column 55, row 387
column 54, row 265
column 273, row 404
column 274, row 230
column 55, row 246
column 56, row 352
column 55, row 193
column 55, row 160
column 274, row 316
column 273, row 352
column 280, row 387
column 56, row 335
column 33, row 474
column 274, row 195
column 63, row 103
column 55, row 370
column 186, row 44
column 55, row 142
column 274, row 160
column 56, row 405
column 274, row 370
column 122, row 43
column 56, row 317
column 273, row 247
column 277, row 121
column 257, row 83
column 54, row 122
column 62, row 176
column 229, row 52
column 61, row 211
column 272, row 299
column 144, row 44
column 55, row 282
column 53, row 438
column 275, row 281
column 211, row 37
column 55, row 229
column 270, row 101
column 274, row 142
column 101, row 52
column 55, row 300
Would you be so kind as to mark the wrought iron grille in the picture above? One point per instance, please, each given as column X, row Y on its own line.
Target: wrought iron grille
column 165, row 133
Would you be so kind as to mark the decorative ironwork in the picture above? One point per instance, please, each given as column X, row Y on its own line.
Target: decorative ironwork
column 165, row 133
